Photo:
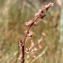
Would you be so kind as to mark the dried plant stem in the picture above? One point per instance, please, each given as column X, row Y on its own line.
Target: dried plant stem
column 23, row 54
column 29, row 29
column 31, row 23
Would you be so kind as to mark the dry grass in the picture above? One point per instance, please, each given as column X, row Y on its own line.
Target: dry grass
column 12, row 26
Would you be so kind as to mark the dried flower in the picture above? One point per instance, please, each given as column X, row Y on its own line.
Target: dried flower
column 29, row 22
column 39, row 45
column 51, row 4
column 27, row 50
column 35, row 23
column 43, row 33
column 20, row 56
column 20, row 43
column 46, row 6
column 37, row 14
column 25, row 31
column 30, row 34
column 34, row 49
column 39, row 40
column 40, row 10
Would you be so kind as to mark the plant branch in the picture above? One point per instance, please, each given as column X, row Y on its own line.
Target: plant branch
column 41, row 15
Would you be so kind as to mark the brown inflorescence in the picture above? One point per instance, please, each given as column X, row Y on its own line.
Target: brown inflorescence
column 30, row 23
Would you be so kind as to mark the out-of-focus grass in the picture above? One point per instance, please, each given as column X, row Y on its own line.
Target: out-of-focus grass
column 13, row 16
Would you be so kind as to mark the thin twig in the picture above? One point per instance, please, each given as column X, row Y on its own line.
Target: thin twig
column 30, row 23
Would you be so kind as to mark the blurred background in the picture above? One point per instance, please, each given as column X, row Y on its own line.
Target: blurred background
column 13, row 16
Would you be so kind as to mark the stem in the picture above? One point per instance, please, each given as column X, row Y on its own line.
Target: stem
column 28, row 30
column 23, row 54
column 23, row 43
column 34, row 20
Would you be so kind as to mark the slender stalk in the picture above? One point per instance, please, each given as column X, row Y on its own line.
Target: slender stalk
column 30, row 24
column 23, row 54
column 29, row 29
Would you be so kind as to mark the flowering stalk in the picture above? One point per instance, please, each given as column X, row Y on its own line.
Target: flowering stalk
column 32, row 22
